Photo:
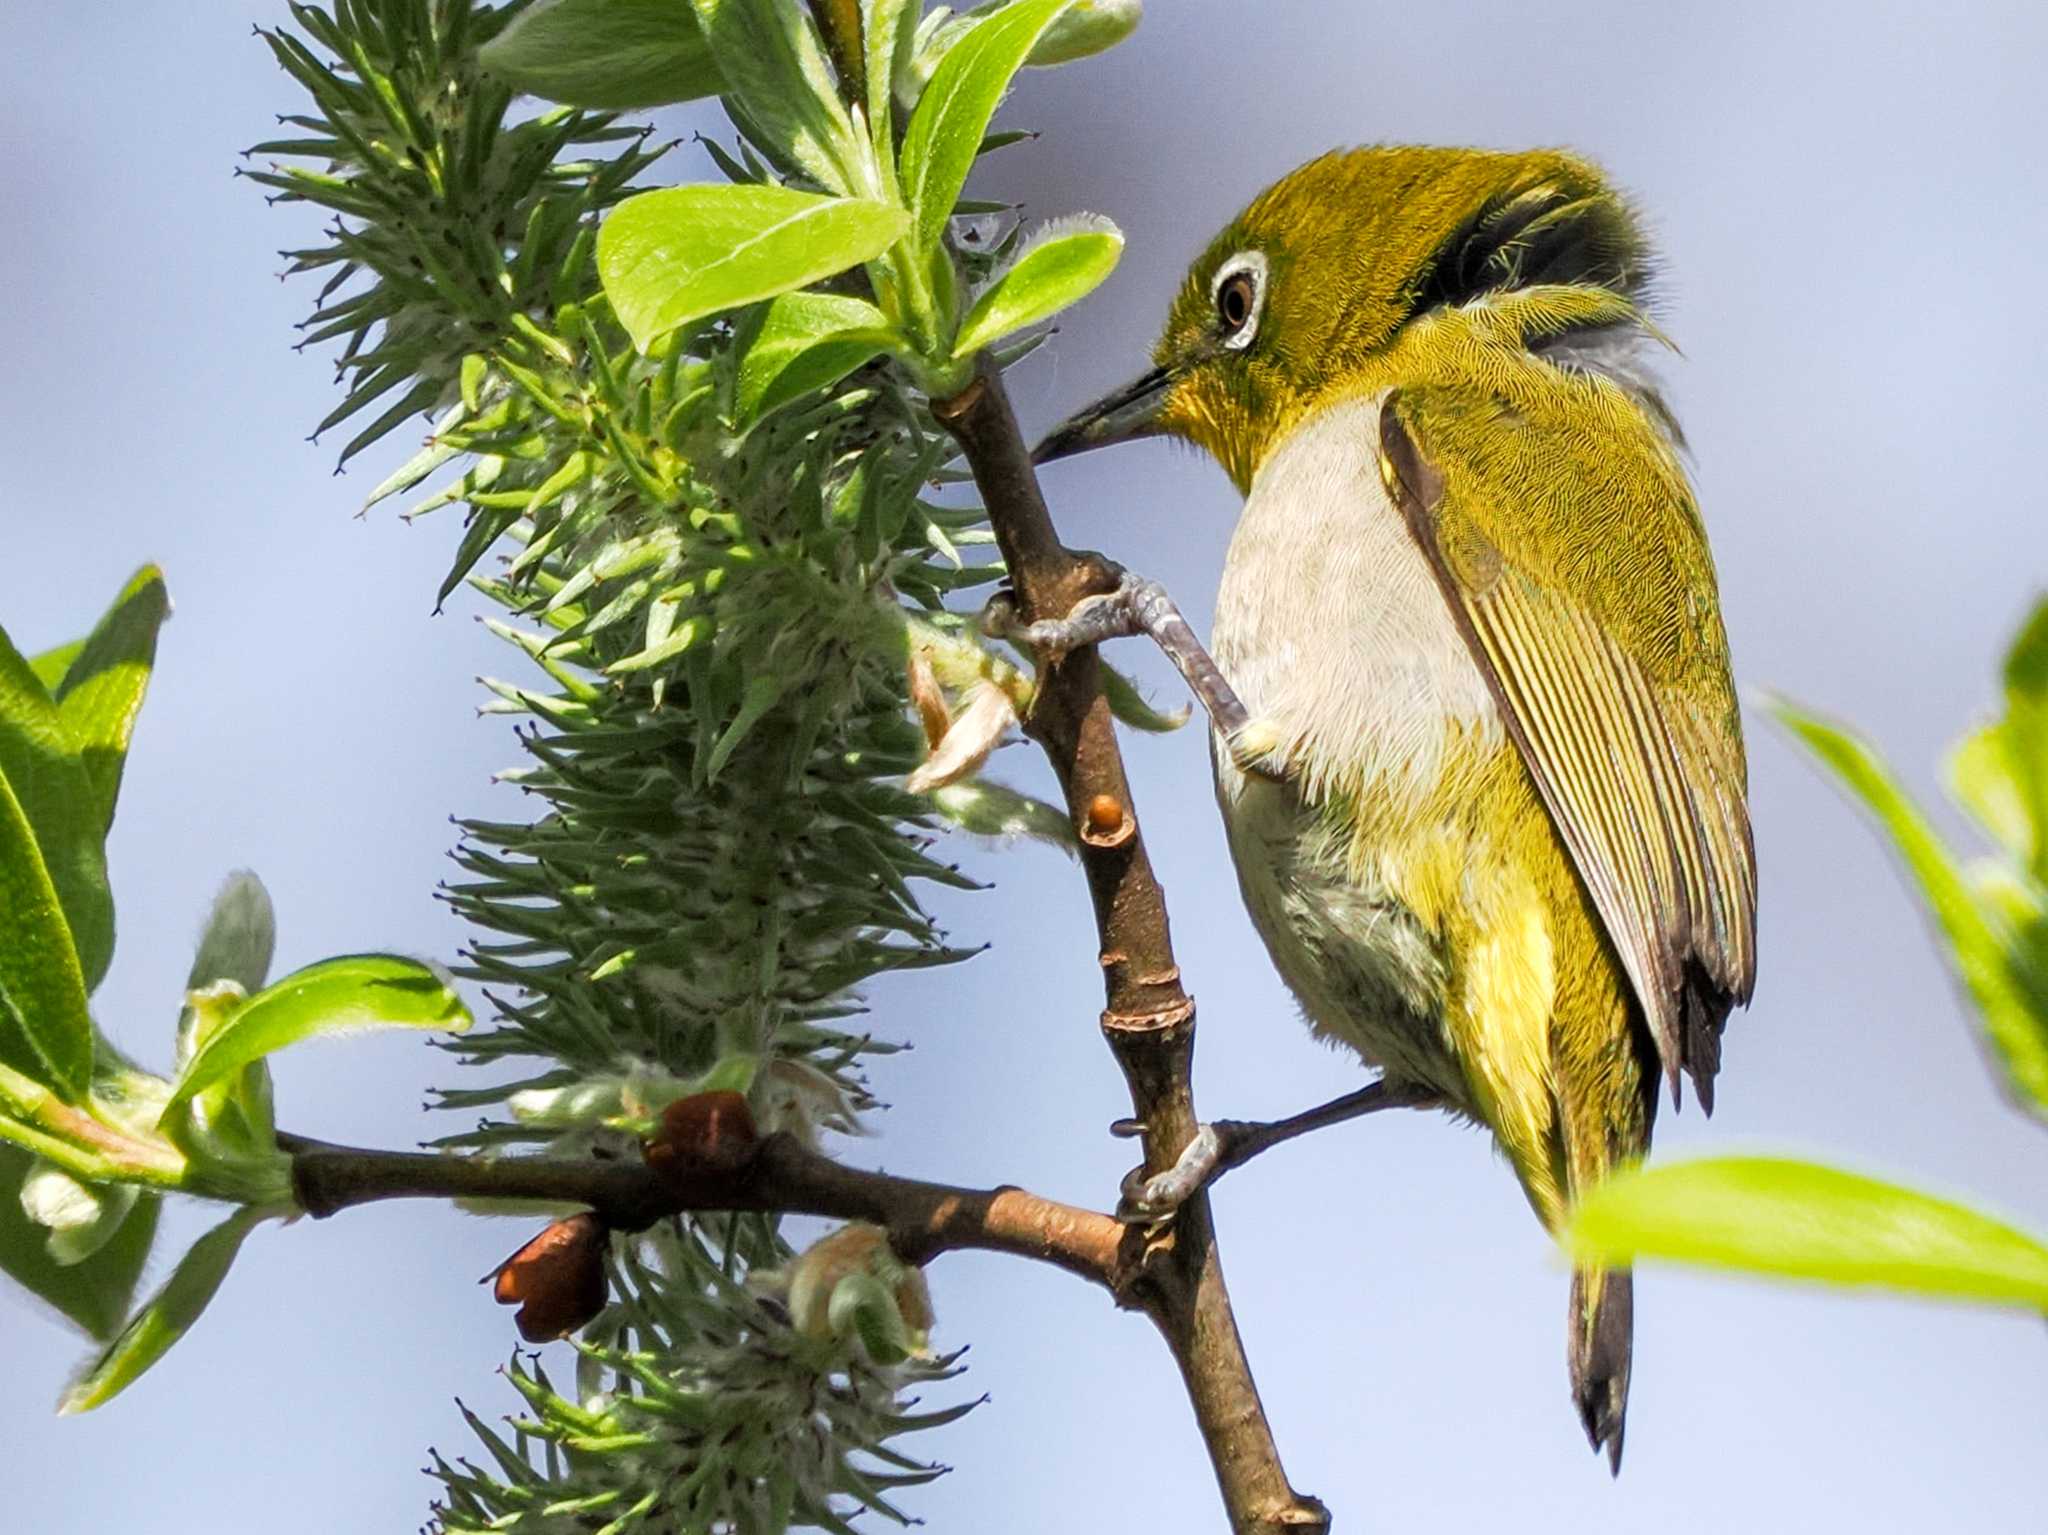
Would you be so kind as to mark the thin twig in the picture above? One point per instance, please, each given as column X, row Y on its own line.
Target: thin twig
column 1148, row 1017
column 778, row 1173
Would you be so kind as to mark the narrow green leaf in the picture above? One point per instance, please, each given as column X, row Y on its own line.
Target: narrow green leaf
column 1058, row 268
column 679, row 254
column 888, row 34
column 780, row 89
column 485, row 528
column 357, row 991
column 2000, row 771
column 1799, row 1220
column 761, row 695
column 805, row 341
column 56, row 796
column 2010, row 994
column 167, row 1317
column 45, row 1031
column 103, row 687
column 953, row 113
column 612, row 54
column 1980, row 777
column 987, row 809
column 93, row 1294
column 1132, row 708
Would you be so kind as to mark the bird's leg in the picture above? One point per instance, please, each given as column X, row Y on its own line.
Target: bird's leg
column 1229, row 1143
column 1137, row 606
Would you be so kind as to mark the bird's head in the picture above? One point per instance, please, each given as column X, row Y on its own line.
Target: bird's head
column 1305, row 294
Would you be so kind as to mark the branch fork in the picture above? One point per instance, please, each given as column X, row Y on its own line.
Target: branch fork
column 707, row 1155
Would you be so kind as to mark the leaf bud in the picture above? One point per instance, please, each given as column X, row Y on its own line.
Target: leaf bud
column 849, row 1286
column 703, row 1132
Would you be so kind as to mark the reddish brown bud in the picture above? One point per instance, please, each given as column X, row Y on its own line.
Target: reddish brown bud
column 705, row 1131
column 556, row 1280
column 1106, row 823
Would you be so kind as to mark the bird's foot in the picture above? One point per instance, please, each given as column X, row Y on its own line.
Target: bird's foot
column 1135, row 605
column 1144, row 1198
column 1104, row 616
column 1216, row 1148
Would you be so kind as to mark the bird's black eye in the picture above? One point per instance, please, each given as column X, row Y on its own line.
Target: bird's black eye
column 1234, row 301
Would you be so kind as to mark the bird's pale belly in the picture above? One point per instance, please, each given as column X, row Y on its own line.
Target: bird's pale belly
column 1373, row 731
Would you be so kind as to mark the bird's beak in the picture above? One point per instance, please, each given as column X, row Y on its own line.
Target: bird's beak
column 1119, row 416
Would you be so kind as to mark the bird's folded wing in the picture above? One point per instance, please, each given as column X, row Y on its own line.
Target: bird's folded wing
column 1617, row 692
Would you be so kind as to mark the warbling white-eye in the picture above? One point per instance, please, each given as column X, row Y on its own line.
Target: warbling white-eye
column 1476, row 743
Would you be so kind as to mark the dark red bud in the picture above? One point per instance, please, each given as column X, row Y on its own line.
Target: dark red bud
column 703, row 1132
column 556, row 1280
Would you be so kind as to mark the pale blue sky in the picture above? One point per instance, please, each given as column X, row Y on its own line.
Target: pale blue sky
column 1850, row 199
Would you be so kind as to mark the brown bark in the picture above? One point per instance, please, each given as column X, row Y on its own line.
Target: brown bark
column 1148, row 1017
column 778, row 1173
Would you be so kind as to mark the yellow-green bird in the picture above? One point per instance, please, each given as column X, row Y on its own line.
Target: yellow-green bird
column 1486, row 791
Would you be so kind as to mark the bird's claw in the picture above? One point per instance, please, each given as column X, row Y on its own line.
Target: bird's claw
column 1109, row 615
column 1134, row 605
column 1147, row 1198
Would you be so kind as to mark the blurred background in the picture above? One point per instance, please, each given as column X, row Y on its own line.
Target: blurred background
column 1850, row 201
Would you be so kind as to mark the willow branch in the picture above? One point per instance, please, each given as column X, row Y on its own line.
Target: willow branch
column 777, row 1174
column 1148, row 1017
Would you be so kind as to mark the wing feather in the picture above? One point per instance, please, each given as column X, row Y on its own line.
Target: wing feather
column 1645, row 789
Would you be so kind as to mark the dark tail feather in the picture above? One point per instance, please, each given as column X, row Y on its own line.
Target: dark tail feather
column 1602, row 1340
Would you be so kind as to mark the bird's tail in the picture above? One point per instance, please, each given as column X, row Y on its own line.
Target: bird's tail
column 1602, row 1339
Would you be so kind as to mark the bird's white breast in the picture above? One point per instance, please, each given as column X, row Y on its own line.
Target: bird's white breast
column 1329, row 623
column 1331, row 628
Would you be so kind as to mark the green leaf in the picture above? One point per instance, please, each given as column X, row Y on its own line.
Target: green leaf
column 93, row 1294
column 45, row 1031
column 1058, row 268
column 357, row 991
column 987, row 809
column 1799, row 1220
column 774, row 64
column 953, row 113
column 102, row 688
column 51, row 665
column 1980, row 777
column 862, row 1308
column 1131, row 707
column 610, row 54
column 167, row 1317
column 760, row 696
column 2002, row 975
column 57, row 797
column 239, row 938
column 805, row 341
column 1091, row 27
column 679, row 254
column 889, row 36
column 2000, row 772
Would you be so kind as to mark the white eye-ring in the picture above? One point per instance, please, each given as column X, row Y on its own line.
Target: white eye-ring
column 1239, row 291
